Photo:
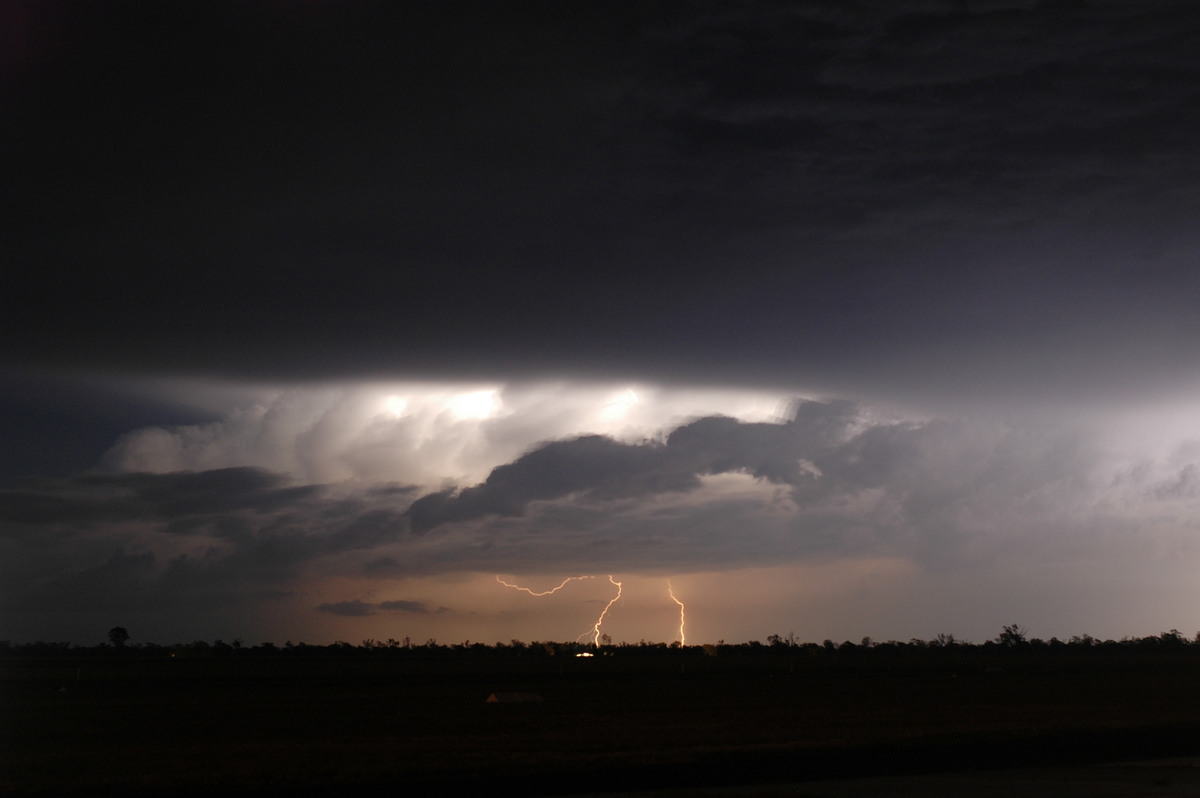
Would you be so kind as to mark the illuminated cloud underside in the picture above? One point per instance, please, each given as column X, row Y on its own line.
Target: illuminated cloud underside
column 355, row 347
column 414, row 433
column 302, row 503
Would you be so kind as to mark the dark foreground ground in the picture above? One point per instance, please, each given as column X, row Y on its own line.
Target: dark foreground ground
column 1159, row 778
column 608, row 725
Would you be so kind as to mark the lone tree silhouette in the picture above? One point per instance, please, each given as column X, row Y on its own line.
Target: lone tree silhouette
column 1012, row 636
column 118, row 635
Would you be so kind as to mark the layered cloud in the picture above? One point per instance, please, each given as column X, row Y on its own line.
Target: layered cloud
column 594, row 466
column 982, row 211
column 355, row 608
column 419, row 433
column 827, row 481
column 857, row 192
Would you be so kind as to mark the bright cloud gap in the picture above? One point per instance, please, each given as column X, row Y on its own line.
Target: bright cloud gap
column 422, row 433
column 390, row 508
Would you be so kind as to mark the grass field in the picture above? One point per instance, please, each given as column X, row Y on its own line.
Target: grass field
column 604, row 724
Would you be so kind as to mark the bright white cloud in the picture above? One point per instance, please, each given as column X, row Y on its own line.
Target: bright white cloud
column 418, row 433
column 853, row 522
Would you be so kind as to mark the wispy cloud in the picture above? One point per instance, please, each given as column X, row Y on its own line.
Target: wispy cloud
column 350, row 609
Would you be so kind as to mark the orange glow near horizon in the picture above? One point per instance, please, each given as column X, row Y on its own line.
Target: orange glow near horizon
column 597, row 628
column 563, row 584
column 600, row 621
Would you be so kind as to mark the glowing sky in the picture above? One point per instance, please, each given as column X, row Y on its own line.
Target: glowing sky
column 384, row 510
column 847, row 318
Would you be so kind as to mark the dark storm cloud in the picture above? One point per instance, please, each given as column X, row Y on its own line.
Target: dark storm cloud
column 591, row 463
column 878, row 194
column 124, row 580
column 221, row 537
column 831, row 481
column 942, row 492
column 403, row 605
column 187, row 539
column 351, row 609
column 973, row 209
column 1183, row 485
column 361, row 609
column 603, row 468
column 98, row 498
column 843, row 484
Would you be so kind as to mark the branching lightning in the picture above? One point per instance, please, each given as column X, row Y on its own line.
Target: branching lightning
column 564, row 583
column 682, row 617
column 595, row 633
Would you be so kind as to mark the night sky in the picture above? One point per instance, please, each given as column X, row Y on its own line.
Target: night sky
column 848, row 317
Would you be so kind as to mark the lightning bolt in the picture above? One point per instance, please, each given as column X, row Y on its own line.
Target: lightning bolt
column 682, row 617
column 594, row 632
column 600, row 621
column 563, row 584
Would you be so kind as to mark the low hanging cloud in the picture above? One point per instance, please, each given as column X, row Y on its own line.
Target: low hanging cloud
column 361, row 609
column 348, row 609
column 413, row 433
column 831, row 480
column 940, row 491
column 600, row 467
column 402, row 605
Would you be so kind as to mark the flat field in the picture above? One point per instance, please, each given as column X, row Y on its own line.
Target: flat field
column 616, row 723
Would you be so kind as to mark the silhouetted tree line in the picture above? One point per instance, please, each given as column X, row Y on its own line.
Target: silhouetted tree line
column 1011, row 640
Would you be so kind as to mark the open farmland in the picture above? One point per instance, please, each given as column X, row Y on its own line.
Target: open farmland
column 628, row 721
